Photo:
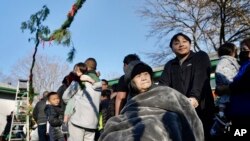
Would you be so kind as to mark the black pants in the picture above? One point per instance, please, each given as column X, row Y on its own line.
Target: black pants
column 42, row 133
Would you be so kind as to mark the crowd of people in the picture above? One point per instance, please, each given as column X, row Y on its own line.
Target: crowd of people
column 180, row 106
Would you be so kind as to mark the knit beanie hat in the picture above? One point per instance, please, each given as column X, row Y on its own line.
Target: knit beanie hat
column 136, row 67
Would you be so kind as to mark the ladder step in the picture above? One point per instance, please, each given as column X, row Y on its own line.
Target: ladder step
column 23, row 89
column 22, row 105
column 17, row 130
column 21, row 100
column 21, row 114
column 22, row 94
column 20, row 117
column 17, row 139
column 19, row 123
column 23, row 80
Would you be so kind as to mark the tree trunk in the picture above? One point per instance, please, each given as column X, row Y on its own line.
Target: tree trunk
column 31, row 89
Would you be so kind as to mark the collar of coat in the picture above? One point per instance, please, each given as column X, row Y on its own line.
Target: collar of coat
column 176, row 60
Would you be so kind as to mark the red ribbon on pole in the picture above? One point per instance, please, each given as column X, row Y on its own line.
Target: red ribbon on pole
column 42, row 41
column 50, row 40
column 73, row 10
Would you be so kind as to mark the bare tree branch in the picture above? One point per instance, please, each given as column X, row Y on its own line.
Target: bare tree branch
column 210, row 23
column 48, row 72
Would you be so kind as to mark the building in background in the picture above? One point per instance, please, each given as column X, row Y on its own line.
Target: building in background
column 7, row 102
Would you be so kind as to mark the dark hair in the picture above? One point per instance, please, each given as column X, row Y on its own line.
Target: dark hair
column 82, row 67
column 52, row 93
column 69, row 78
column 245, row 42
column 106, row 81
column 129, row 58
column 45, row 94
column 114, row 87
column 244, row 55
column 91, row 63
column 106, row 93
column 175, row 38
column 226, row 49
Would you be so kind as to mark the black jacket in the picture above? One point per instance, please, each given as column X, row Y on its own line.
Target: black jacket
column 54, row 115
column 38, row 112
column 239, row 106
column 192, row 79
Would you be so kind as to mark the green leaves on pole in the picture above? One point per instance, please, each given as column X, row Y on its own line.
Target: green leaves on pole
column 62, row 35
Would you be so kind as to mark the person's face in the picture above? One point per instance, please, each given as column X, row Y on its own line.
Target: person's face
column 181, row 47
column 245, row 49
column 54, row 100
column 104, row 85
column 77, row 71
column 125, row 66
column 235, row 54
column 142, row 81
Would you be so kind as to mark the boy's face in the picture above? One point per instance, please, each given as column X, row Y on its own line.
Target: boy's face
column 181, row 46
column 104, row 85
column 54, row 100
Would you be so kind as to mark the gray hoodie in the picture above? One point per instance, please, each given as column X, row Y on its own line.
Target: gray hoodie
column 86, row 104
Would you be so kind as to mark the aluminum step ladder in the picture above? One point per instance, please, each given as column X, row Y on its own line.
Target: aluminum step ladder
column 19, row 130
